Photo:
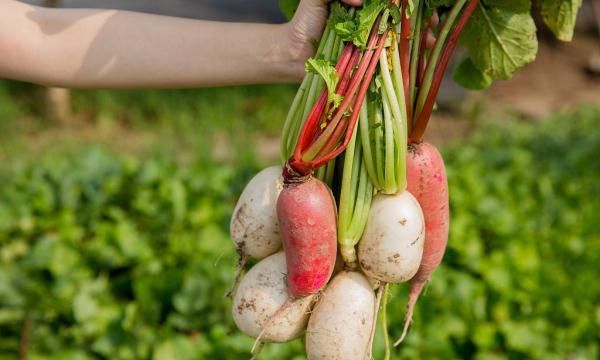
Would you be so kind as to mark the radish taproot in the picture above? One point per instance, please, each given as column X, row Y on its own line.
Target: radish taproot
column 262, row 293
column 341, row 322
column 428, row 182
column 307, row 220
column 254, row 228
column 392, row 244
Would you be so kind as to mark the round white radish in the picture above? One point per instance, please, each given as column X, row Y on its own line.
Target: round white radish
column 340, row 325
column 392, row 244
column 261, row 294
column 254, row 227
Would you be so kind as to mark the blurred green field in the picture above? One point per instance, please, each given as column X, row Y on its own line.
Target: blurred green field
column 116, row 246
column 184, row 123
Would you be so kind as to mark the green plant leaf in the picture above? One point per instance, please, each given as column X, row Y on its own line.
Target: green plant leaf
column 327, row 71
column 470, row 77
column 357, row 30
column 366, row 18
column 176, row 348
column 560, row 16
column 395, row 13
column 288, row 8
column 500, row 42
column 515, row 6
column 411, row 8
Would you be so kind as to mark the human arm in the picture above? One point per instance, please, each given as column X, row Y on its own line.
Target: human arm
column 122, row 49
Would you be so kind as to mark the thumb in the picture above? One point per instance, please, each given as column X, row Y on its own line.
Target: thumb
column 315, row 9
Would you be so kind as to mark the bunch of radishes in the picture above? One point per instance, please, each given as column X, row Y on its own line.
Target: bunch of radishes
column 357, row 175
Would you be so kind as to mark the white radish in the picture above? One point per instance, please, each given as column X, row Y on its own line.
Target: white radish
column 340, row 325
column 254, row 226
column 392, row 244
column 261, row 294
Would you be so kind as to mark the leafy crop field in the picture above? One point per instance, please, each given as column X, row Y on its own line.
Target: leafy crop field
column 105, row 255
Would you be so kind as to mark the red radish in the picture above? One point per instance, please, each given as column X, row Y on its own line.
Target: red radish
column 427, row 181
column 307, row 222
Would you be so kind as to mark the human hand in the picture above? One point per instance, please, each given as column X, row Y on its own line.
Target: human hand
column 305, row 29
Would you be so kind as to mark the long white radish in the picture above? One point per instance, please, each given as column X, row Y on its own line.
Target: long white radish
column 392, row 244
column 261, row 294
column 254, row 227
column 340, row 325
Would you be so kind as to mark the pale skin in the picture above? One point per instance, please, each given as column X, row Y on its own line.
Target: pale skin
column 87, row 48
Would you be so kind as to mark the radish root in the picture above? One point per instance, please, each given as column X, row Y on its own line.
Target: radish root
column 239, row 271
column 412, row 300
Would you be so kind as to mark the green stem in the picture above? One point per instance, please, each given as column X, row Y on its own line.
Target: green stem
column 313, row 87
column 330, row 172
column 291, row 119
column 377, row 127
column 321, row 173
column 364, row 198
column 388, row 128
column 414, row 55
column 401, row 125
column 398, row 82
column 398, row 126
column 435, row 55
column 347, row 202
column 289, row 133
column 386, row 335
column 363, row 123
column 388, row 85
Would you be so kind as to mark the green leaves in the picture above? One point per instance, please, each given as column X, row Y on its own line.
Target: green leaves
column 500, row 42
column 327, row 71
column 560, row 16
column 116, row 257
column 134, row 263
column 500, row 38
column 470, row 77
column 514, row 6
column 357, row 29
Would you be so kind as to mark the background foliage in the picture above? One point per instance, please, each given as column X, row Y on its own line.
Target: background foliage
column 112, row 256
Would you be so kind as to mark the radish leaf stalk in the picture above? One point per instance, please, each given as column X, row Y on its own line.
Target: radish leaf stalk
column 355, row 201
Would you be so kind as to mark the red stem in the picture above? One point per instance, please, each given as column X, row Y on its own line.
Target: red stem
column 316, row 112
column 342, row 88
column 339, row 118
column 422, row 56
column 422, row 121
column 359, row 101
column 315, row 115
column 405, row 26
column 356, row 78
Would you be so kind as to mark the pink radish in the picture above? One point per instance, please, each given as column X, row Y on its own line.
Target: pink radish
column 307, row 221
column 427, row 181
